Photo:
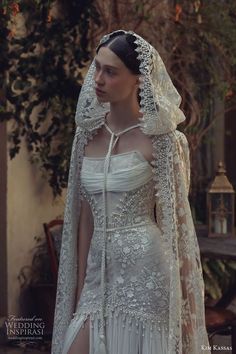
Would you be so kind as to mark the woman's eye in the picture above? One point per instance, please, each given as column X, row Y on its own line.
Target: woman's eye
column 110, row 72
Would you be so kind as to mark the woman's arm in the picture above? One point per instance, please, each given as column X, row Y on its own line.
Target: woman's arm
column 84, row 235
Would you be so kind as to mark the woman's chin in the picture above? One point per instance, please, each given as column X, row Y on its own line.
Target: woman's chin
column 102, row 99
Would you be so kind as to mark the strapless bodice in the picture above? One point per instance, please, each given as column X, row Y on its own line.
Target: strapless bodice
column 130, row 196
column 127, row 171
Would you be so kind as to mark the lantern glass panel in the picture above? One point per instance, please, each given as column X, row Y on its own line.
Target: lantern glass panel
column 215, row 201
column 227, row 197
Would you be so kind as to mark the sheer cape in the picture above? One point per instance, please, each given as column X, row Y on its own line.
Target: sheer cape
column 161, row 113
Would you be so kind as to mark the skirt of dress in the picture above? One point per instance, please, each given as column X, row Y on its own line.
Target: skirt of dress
column 125, row 335
column 136, row 296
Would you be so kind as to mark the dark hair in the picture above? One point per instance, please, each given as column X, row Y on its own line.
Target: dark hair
column 122, row 44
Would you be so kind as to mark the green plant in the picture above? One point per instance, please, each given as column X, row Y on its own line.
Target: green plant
column 44, row 75
column 218, row 277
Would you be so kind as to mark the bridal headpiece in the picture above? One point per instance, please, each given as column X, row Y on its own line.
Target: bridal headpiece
column 159, row 99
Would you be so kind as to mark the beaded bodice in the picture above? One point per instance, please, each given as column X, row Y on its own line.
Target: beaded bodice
column 130, row 192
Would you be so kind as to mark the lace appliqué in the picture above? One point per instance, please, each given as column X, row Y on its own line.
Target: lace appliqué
column 136, row 270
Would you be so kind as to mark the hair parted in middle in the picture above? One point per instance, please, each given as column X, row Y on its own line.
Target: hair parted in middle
column 123, row 45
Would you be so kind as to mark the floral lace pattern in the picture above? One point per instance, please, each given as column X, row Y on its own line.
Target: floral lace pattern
column 186, row 302
column 133, row 207
column 136, row 274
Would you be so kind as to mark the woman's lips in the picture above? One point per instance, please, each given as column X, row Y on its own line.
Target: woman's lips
column 99, row 92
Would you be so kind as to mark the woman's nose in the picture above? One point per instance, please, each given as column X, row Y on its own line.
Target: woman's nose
column 99, row 77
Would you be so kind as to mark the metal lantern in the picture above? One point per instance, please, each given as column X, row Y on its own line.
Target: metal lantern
column 220, row 204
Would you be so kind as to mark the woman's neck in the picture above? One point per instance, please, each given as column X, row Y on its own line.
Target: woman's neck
column 123, row 115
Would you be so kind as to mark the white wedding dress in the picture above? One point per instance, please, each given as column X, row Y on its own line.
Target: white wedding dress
column 135, row 275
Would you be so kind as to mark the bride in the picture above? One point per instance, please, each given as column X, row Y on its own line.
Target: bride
column 130, row 278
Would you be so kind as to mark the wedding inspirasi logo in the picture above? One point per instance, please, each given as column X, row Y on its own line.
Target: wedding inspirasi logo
column 24, row 328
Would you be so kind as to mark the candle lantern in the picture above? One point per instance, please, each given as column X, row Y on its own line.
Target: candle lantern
column 220, row 205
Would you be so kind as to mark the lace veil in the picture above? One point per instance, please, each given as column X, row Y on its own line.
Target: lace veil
column 159, row 104
column 159, row 98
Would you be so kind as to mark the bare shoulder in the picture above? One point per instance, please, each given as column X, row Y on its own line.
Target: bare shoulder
column 96, row 147
column 142, row 143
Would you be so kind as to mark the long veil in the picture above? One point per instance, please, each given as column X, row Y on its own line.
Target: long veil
column 161, row 114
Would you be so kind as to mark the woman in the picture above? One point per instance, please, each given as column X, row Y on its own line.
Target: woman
column 130, row 282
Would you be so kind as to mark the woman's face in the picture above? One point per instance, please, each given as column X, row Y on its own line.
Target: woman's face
column 113, row 80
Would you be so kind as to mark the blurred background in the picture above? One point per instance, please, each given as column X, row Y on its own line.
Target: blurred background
column 45, row 50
